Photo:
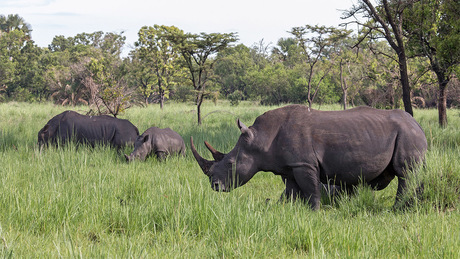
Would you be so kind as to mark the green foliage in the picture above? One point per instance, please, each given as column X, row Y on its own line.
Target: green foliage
column 231, row 69
column 235, row 97
column 433, row 28
column 21, row 71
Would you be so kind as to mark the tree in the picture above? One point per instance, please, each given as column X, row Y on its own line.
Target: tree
column 20, row 66
column 10, row 47
column 15, row 22
column 79, row 67
column 158, row 59
column 197, row 51
column 386, row 20
column 381, row 77
column 231, row 69
column 315, row 49
column 66, row 82
column 433, row 28
column 345, row 64
column 288, row 52
column 107, row 90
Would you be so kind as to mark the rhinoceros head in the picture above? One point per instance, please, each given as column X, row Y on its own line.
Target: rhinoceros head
column 142, row 148
column 231, row 170
column 44, row 136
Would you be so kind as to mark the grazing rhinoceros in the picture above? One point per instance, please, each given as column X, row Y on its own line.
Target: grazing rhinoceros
column 309, row 147
column 90, row 130
column 161, row 142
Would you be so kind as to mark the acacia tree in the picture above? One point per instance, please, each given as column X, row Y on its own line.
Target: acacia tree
column 158, row 59
column 315, row 49
column 433, row 28
column 386, row 20
column 197, row 51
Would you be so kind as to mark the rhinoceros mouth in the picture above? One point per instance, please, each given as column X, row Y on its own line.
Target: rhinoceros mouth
column 218, row 186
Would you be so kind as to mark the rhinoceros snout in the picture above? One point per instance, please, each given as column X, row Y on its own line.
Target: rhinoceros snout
column 128, row 158
column 219, row 187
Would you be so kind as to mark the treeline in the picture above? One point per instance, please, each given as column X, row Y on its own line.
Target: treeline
column 316, row 64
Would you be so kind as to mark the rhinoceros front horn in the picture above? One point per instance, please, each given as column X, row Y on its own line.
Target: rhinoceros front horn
column 204, row 164
column 215, row 154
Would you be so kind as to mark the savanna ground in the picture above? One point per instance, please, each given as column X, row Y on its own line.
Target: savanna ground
column 82, row 202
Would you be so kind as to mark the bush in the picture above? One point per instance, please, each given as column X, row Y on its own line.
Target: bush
column 235, row 97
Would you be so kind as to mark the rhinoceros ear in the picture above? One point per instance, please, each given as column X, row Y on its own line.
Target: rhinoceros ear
column 45, row 129
column 215, row 154
column 244, row 129
column 146, row 138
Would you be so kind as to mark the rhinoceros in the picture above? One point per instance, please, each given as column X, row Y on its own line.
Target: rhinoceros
column 89, row 130
column 307, row 147
column 161, row 142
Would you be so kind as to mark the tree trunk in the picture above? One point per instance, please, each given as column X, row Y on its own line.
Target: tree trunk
column 199, row 101
column 161, row 92
column 162, row 100
column 344, row 86
column 405, row 83
column 442, row 101
column 443, row 80
column 442, row 106
column 309, row 100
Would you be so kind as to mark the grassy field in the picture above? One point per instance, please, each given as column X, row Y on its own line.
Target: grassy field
column 81, row 202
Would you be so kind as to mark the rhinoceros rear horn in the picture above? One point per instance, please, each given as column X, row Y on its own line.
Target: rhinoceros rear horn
column 216, row 154
column 204, row 164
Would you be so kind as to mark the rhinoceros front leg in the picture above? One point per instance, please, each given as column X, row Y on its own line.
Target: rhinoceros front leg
column 292, row 190
column 161, row 156
column 306, row 177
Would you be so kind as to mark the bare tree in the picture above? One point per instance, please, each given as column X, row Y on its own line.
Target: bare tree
column 109, row 94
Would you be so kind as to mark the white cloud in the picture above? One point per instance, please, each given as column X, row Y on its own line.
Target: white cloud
column 24, row 3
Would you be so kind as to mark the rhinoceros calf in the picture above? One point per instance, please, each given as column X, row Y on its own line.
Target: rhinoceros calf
column 90, row 130
column 161, row 142
column 309, row 147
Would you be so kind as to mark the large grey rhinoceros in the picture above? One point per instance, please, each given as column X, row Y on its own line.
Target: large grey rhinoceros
column 309, row 147
column 90, row 130
column 161, row 142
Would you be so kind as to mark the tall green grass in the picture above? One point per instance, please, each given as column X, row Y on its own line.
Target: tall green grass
column 83, row 202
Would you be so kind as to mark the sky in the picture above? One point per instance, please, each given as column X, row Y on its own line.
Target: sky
column 252, row 20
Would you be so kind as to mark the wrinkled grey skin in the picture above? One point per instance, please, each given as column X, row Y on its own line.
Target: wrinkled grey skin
column 161, row 142
column 90, row 130
column 309, row 147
